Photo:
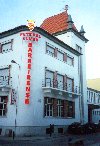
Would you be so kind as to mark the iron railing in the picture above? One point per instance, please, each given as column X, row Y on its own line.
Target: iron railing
column 60, row 85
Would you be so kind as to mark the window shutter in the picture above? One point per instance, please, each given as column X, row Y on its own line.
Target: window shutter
column 0, row 48
column 55, row 107
column 55, row 83
column 65, row 57
column 55, row 52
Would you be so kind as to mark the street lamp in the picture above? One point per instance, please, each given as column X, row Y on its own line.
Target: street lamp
column 13, row 61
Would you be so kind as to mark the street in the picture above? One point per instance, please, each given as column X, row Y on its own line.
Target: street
column 61, row 140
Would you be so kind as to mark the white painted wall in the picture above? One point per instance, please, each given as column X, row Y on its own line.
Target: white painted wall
column 32, row 114
column 71, row 39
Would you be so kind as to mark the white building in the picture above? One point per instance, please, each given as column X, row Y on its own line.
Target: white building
column 93, row 101
column 42, row 80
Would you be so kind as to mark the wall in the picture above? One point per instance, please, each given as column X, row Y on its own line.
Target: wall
column 33, row 114
column 71, row 39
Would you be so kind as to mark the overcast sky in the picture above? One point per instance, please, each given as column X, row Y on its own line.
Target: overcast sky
column 84, row 12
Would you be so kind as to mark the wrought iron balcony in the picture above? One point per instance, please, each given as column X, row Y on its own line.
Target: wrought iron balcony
column 5, row 81
column 58, row 86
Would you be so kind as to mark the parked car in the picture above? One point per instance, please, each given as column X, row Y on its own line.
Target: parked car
column 73, row 128
column 90, row 128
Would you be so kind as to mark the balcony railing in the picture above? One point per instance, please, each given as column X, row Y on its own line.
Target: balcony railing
column 55, row 84
column 5, row 81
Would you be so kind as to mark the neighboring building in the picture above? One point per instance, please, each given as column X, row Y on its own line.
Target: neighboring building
column 93, row 101
column 94, row 83
column 42, row 79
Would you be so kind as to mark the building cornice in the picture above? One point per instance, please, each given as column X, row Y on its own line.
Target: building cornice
column 78, row 34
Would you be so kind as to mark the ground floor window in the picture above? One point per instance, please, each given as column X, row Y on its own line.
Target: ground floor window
column 48, row 110
column 3, row 105
column 58, row 108
column 71, row 109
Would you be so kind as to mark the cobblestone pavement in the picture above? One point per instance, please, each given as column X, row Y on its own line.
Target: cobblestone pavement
column 61, row 140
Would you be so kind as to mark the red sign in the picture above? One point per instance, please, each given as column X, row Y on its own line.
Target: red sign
column 31, row 37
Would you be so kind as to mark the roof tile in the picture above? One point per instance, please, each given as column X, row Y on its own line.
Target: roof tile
column 56, row 23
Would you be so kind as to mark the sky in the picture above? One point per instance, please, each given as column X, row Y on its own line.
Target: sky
column 14, row 13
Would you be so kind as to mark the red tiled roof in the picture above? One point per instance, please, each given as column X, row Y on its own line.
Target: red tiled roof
column 56, row 23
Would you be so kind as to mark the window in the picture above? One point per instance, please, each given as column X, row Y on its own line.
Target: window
column 49, row 78
column 70, row 60
column 3, row 105
column 6, row 47
column 78, row 48
column 60, row 79
column 69, row 84
column 60, row 56
column 60, row 108
column 50, row 50
column 4, row 77
column 48, row 106
column 71, row 109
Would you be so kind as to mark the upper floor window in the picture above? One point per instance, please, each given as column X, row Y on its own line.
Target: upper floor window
column 60, row 80
column 60, row 56
column 3, row 105
column 49, row 78
column 78, row 48
column 50, row 50
column 6, row 47
column 69, row 84
column 70, row 60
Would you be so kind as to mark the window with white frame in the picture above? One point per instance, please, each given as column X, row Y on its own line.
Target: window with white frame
column 70, row 60
column 3, row 105
column 6, row 47
column 60, row 56
column 50, row 50
column 49, row 78
column 48, row 106
column 60, row 108
column 60, row 80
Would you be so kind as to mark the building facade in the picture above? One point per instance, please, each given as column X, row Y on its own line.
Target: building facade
column 93, row 101
column 42, row 80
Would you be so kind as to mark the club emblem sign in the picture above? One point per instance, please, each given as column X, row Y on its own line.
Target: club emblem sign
column 30, row 24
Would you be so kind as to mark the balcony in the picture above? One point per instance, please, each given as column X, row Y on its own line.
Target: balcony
column 58, row 87
column 5, row 82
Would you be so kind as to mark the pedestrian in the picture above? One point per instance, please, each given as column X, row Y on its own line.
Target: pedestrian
column 13, row 134
column 51, row 129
